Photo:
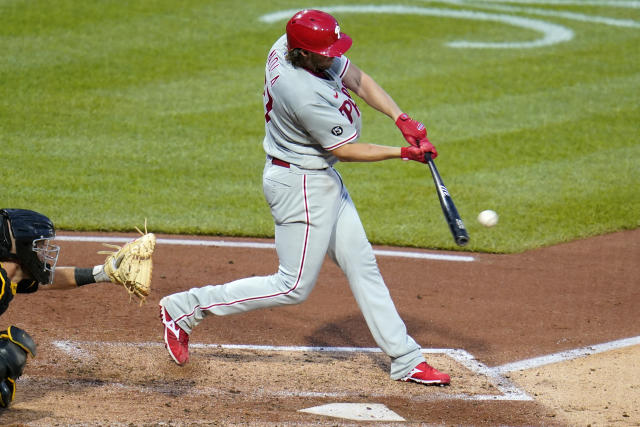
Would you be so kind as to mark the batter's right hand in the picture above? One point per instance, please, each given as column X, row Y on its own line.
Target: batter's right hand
column 412, row 153
column 428, row 147
column 417, row 153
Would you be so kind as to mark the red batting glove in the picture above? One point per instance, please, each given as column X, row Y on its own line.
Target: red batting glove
column 412, row 130
column 428, row 147
column 417, row 153
column 412, row 153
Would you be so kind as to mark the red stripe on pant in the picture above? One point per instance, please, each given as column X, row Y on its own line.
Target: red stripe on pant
column 304, row 253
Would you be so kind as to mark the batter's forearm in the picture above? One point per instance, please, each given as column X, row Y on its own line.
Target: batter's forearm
column 366, row 152
column 377, row 98
column 371, row 92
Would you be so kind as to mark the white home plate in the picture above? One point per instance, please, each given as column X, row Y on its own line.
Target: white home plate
column 355, row 411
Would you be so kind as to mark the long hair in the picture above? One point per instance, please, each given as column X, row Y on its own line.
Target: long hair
column 295, row 57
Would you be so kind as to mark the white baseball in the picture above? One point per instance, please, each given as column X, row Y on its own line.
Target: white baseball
column 488, row 218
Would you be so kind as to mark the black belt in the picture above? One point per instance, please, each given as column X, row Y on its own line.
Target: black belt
column 279, row 162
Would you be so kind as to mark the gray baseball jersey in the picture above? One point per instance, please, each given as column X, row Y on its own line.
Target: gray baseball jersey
column 303, row 126
column 308, row 116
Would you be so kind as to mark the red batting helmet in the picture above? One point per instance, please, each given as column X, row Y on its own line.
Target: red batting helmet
column 318, row 32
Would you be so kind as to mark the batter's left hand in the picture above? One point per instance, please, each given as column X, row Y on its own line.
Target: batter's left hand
column 412, row 130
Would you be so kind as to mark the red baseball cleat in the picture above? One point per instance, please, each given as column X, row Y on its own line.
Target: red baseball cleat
column 176, row 340
column 426, row 374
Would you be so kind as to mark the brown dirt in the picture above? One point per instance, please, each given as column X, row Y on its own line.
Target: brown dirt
column 100, row 359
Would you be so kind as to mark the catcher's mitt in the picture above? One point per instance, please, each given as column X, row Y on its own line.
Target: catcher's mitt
column 131, row 265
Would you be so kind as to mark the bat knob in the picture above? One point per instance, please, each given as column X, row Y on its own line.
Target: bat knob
column 462, row 240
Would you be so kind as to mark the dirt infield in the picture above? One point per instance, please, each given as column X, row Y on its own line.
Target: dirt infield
column 101, row 362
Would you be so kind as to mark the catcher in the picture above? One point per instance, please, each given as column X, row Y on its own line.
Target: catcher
column 28, row 261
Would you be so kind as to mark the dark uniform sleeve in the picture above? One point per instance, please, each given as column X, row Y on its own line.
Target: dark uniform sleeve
column 6, row 290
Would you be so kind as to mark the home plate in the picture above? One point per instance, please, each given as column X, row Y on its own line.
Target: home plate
column 355, row 411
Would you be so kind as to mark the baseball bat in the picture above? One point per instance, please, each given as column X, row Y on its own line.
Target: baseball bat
column 449, row 210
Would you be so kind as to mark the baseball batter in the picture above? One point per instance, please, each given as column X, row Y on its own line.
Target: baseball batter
column 311, row 122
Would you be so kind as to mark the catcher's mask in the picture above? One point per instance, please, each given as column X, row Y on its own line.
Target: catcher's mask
column 32, row 233
column 317, row 31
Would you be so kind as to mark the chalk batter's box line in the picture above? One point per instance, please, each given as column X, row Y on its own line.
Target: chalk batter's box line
column 496, row 374
column 259, row 245
column 79, row 349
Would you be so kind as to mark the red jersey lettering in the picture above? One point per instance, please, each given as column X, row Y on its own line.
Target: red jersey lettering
column 347, row 109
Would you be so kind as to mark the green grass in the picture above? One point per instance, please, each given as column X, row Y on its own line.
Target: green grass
column 113, row 111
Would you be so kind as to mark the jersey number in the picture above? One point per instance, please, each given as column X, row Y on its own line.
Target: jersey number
column 268, row 105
